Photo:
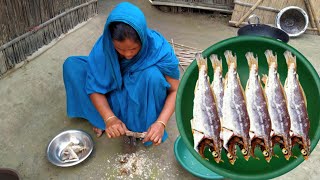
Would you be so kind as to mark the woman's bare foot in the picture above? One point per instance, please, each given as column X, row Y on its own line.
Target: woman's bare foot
column 98, row 131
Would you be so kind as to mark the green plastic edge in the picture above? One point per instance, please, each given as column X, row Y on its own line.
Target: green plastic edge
column 193, row 173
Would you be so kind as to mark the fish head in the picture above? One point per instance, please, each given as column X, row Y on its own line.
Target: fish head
column 304, row 145
column 286, row 152
column 284, row 143
column 244, row 146
column 305, row 150
column 216, row 155
column 245, row 153
column 305, row 153
column 231, row 157
column 267, row 154
column 231, row 152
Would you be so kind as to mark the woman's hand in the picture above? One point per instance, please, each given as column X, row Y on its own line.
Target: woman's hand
column 155, row 133
column 115, row 128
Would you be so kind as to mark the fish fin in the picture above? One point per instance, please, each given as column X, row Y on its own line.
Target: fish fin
column 252, row 60
column 271, row 59
column 197, row 84
column 208, row 79
column 192, row 126
column 264, row 79
column 243, row 94
column 216, row 62
column 230, row 58
column 264, row 93
column 282, row 89
column 225, row 81
column 247, row 86
column 290, row 59
column 301, row 89
column 303, row 94
column 202, row 62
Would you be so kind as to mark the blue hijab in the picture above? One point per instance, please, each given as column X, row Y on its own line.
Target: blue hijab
column 106, row 74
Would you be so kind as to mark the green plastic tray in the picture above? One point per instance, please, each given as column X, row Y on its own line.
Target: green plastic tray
column 252, row 169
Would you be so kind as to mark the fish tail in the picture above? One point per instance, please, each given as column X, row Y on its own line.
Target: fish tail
column 290, row 59
column 202, row 62
column 252, row 60
column 272, row 59
column 230, row 58
column 216, row 62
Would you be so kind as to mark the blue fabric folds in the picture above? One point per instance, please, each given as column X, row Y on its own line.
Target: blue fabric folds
column 136, row 89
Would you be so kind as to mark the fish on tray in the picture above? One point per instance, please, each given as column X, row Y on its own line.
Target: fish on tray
column 260, row 123
column 277, row 107
column 297, row 107
column 205, row 124
column 217, row 83
column 235, row 123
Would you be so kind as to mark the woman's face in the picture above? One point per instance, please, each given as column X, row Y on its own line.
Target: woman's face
column 127, row 48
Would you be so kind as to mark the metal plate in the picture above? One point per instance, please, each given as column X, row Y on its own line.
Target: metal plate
column 58, row 143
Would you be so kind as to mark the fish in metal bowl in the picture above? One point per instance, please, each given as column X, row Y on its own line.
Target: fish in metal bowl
column 69, row 148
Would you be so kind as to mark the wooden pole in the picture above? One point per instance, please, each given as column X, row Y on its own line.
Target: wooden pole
column 249, row 12
column 312, row 21
column 314, row 16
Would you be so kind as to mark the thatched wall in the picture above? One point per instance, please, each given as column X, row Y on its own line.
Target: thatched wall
column 27, row 25
column 20, row 16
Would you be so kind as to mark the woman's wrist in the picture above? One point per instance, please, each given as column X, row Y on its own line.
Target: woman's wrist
column 161, row 122
column 109, row 118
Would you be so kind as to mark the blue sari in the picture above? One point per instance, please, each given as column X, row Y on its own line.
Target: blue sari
column 136, row 89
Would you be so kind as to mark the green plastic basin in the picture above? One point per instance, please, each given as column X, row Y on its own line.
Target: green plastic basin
column 254, row 168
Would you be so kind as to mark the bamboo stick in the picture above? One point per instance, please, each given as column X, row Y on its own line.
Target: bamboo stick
column 258, row 7
column 249, row 12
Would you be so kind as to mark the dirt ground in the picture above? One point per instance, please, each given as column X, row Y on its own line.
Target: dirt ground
column 33, row 109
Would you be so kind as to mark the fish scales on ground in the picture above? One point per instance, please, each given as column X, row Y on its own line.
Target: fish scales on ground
column 260, row 123
column 217, row 83
column 277, row 107
column 297, row 107
column 235, row 123
column 205, row 124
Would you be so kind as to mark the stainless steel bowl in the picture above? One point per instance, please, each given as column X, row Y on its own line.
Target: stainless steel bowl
column 293, row 20
column 62, row 140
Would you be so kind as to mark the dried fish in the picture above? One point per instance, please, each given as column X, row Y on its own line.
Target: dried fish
column 235, row 123
column 277, row 107
column 136, row 134
column 205, row 124
column 297, row 107
column 217, row 83
column 260, row 123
